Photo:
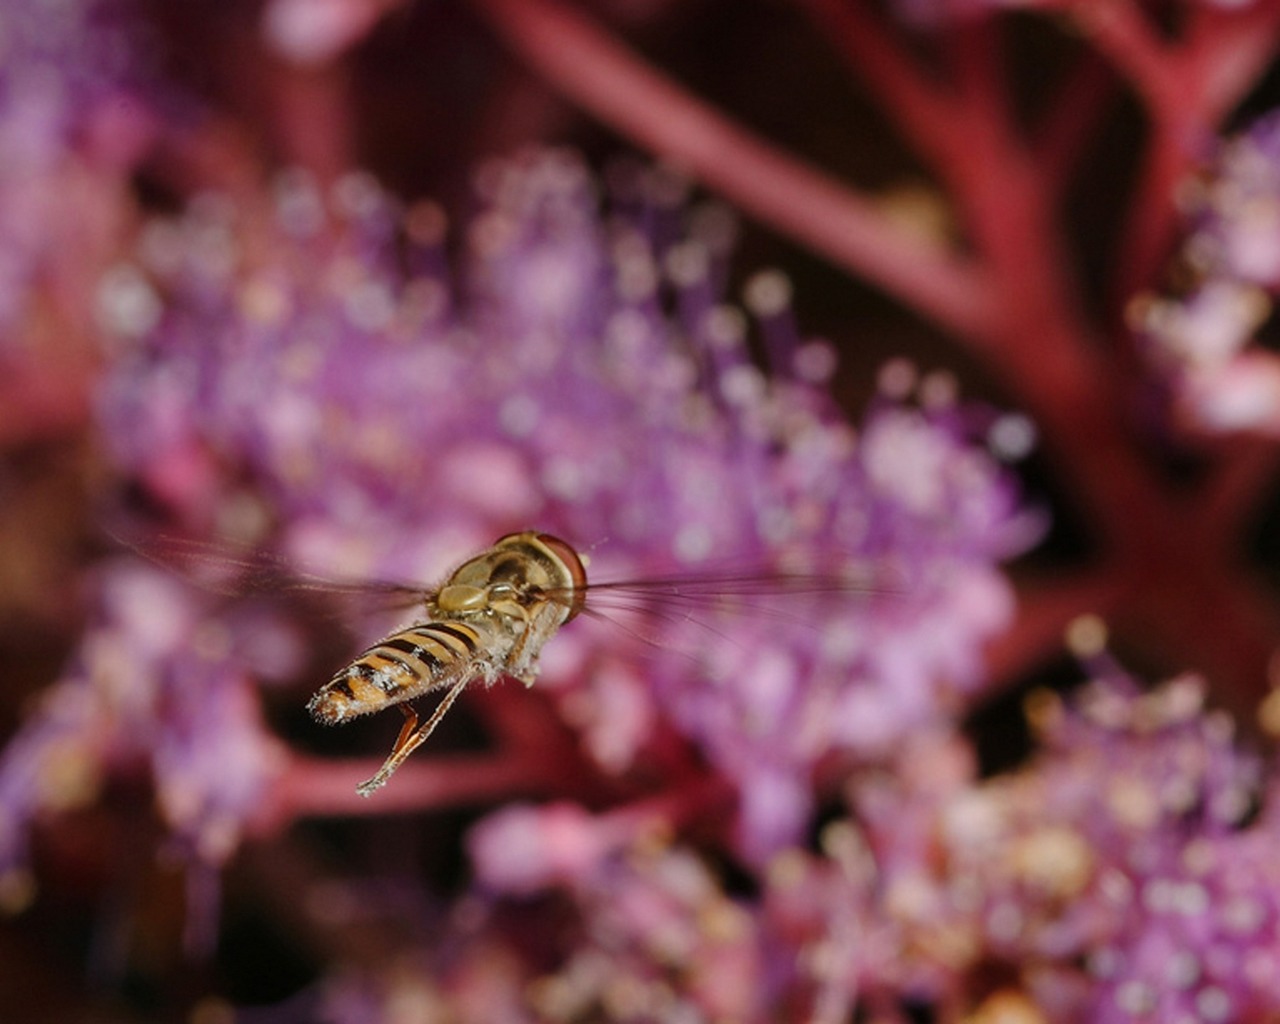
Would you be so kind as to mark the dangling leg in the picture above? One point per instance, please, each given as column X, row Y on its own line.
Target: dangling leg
column 411, row 737
column 410, row 723
column 522, row 662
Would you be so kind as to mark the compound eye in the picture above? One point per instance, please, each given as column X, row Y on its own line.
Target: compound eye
column 569, row 558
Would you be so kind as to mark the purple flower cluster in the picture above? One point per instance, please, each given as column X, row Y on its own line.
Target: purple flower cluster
column 1203, row 339
column 658, row 936
column 583, row 373
column 316, row 383
column 768, row 705
column 320, row 380
column 747, row 784
column 70, row 128
column 1122, row 876
column 163, row 679
column 1120, row 872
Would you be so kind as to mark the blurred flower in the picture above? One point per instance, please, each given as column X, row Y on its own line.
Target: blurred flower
column 931, row 514
column 1121, row 876
column 653, row 936
column 1120, row 870
column 583, row 376
column 316, row 31
column 71, row 126
column 312, row 379
column 1202, row 340
column 157, row 681
column 760, row 798
column 522, row 849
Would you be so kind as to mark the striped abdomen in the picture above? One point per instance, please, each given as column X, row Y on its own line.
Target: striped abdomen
column 404, row 665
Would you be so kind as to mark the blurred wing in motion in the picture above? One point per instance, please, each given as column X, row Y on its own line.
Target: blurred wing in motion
column 490, row 618
column 238, row 571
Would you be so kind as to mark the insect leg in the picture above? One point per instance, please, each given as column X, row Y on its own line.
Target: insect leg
column 411, row 737
column 410, row 722
column 522, row 662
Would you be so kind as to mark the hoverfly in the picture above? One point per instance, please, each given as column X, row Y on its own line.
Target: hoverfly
column 491, row 618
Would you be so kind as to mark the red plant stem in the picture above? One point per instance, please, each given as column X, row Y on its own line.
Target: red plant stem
column 969, row 135
column 1045, row 609
column 1063, row 139
column 313, row 120
column 1152, row 218
column 215, row 154
column 1157, row 586
column 605, row 77
column 692, row 801
column 524, row 729
column 1120, row 31
column 1229, row 50
column 1043, row 349
column 320, row 787
column 44, row 400
column 1033, row 335
column 995, row 180
column 922, row 108
column 1187, row 89
column 975, row 55
column 1040, row 347
column 1229, row 499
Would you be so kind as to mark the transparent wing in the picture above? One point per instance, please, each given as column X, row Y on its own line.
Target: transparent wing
column 236, row 571
column 699, row 598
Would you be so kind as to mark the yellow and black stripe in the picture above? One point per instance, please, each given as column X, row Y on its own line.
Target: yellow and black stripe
column 398, row 667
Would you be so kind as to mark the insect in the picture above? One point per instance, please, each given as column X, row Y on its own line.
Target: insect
column 492, row 617
column 489, row 619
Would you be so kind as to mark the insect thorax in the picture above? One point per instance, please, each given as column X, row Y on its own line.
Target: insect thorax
column 523, row 564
